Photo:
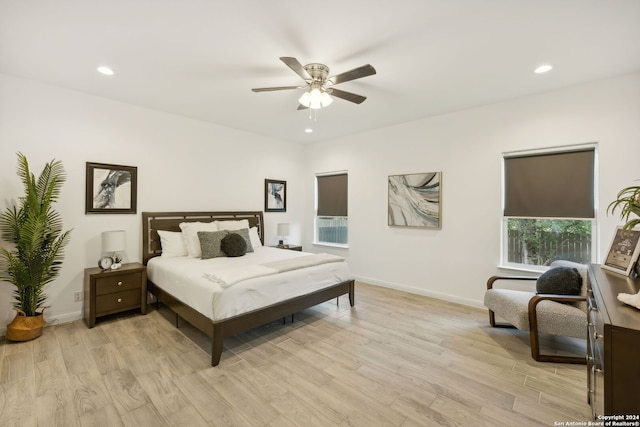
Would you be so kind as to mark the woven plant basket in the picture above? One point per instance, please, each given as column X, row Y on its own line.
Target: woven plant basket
column 25, row 328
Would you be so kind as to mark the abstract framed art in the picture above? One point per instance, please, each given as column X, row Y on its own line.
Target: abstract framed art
column 111, row 189
column 275, row 195
column 415, row 200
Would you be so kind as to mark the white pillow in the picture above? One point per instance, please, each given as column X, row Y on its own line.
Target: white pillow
column 255, row 237
column 190, row 235
column 233, row 225
column 172, row 244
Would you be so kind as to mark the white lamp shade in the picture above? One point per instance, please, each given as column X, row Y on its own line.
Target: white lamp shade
column 315, row 99
column 283, row 229
column 305, row 99
column 325, row 99
column 114, row 241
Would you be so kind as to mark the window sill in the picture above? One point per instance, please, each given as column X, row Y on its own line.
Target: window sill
column 530, row 269
column 332, row 245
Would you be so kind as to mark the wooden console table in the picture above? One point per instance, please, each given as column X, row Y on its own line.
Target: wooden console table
column 613, row 345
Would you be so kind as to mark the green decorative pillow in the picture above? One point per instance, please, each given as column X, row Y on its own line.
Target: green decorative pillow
column 211, row 243
column 234, row 245
column 560, row 281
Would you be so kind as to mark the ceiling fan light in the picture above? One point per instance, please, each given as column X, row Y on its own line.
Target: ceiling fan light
column 305, row 99
column 315, row 99
column 325, row 99
column 315, row 94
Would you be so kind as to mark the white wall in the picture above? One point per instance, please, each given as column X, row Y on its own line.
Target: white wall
column 183, row 164
column 453, row 263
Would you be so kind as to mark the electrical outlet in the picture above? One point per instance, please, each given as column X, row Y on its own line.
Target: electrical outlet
column 77, row 296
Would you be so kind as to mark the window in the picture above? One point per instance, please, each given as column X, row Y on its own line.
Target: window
column 331, row 209
column 549, row 207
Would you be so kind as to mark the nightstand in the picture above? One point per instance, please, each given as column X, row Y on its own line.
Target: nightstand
column 114, row 291
column 290, row 247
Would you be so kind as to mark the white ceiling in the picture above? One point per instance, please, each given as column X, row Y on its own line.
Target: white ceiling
column 200, row 58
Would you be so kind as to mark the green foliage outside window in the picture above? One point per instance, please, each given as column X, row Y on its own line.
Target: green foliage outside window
column 540, row 241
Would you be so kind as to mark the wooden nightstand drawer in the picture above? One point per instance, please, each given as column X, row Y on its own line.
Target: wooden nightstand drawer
column 118, row 283
column 114, row 291
column 117, row 302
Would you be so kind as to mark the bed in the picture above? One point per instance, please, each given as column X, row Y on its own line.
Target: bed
column 218, row 326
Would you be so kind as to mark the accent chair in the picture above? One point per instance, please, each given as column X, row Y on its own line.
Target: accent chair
column 514, row 299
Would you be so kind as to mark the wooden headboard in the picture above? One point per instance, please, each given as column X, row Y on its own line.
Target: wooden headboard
column 170, row 221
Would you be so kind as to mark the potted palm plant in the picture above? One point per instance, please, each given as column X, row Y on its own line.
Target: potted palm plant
column 35, row 229
column 628, row 200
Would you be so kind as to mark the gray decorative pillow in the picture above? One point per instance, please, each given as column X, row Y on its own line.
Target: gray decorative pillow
column 234, row 245
column 560, row 281
column 211, row 243
column 244, row 233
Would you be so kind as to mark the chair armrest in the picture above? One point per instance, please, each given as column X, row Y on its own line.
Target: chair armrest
column 533, row 327
column 537, row 299
column 493, row 279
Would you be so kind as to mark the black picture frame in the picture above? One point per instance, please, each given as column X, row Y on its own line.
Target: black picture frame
column 623, row 251
column 275, row 195
column 111, row 189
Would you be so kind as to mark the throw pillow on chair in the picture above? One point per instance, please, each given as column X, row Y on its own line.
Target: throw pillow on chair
column 560, row 281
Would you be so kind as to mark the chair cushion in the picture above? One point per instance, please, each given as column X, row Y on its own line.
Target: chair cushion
column 561, row 319
column 553, row 318
column 510, row 305
column 560, row 280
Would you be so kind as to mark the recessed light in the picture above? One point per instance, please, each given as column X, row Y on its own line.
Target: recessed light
column 308, row 130
column 543, row 69
column 105, row 70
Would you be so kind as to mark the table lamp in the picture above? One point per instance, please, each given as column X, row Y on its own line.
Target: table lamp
column 283, row 232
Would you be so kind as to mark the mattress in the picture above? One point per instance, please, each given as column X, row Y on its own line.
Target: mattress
column 184, row 278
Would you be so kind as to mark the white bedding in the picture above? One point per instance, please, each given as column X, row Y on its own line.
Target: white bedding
column 184, row 278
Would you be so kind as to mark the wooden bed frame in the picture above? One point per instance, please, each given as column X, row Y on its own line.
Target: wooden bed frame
column 217, row 330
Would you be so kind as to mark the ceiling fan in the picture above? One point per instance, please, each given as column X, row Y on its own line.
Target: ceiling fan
column 318, row 86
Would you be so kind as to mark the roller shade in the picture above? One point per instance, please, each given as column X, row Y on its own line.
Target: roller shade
column 332, row 195
column 550, row 185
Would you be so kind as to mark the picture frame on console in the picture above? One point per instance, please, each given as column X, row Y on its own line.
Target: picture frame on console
column 275, row 195
column 623, row 252
column 111, row 188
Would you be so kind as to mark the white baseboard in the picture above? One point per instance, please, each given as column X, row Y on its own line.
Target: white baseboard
column 64, row 318
column 420, row 291
column 50, row 321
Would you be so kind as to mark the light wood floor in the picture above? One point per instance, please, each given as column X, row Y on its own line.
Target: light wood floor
column 395, row 359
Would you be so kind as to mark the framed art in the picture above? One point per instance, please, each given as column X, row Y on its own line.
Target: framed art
column 275, row 195
column 623, row 251
column 111, row 189
column 415, row 200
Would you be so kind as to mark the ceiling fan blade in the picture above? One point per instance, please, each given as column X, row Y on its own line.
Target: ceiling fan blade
column 270, row 89
column 348, row 96
column 296, row 66
column 356, row 73
column 302, row 107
